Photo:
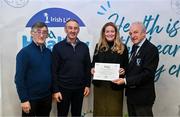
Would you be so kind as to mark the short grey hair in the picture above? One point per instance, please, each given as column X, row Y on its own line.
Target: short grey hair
column 140, row 24
column 73, row 20
column 38, row 25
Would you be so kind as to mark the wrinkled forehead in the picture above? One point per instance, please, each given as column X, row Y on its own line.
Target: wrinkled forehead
column 134, row 27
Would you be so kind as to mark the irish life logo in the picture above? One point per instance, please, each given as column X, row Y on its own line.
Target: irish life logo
column 55, row 19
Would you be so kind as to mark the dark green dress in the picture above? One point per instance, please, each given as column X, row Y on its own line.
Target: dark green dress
column 108, row 97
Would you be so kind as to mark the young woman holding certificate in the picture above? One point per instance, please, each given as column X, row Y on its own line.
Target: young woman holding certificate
column 108, row 97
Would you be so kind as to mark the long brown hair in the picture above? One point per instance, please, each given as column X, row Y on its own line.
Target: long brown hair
column 117, row 47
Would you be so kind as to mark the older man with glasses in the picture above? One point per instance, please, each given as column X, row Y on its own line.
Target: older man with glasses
column 33, row 74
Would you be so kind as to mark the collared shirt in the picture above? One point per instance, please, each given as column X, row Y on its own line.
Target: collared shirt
column 39, row 45
column 73, row 44
column 139, row 44
column 69, row 41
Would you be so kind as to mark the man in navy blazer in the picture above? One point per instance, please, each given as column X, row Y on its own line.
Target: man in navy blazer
column 139, row 80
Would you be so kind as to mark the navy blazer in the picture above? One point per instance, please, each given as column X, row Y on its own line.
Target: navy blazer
column 141, row 74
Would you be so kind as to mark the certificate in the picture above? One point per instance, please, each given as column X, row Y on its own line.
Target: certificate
column 106, row 71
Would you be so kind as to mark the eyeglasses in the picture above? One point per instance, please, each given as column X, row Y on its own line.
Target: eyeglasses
column 40, row 32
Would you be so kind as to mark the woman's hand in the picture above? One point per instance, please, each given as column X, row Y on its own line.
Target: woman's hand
column 121, row 71
column 92, row 71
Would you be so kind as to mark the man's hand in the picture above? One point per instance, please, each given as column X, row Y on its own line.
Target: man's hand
column 57, row 96
column 119, row 81
column 26, row 107
column 86, row 91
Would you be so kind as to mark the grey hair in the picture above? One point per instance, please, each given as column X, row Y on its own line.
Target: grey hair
column 73, row 20
column 38, row 25
column 140, row 24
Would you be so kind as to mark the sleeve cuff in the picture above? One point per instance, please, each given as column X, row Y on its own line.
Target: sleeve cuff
column 125, row 81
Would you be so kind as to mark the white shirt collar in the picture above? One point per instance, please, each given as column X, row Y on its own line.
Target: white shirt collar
column 141, row 43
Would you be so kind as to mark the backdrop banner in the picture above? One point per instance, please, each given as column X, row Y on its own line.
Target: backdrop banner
column 161, row 18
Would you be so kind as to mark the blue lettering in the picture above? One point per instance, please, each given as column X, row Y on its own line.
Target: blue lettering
column 154, row 28
column 169, row 49
column 51, row 35
column 50, row 44
column 25, row 41
column 159, row 71
column 125, row 41
column 116, row 17
column 120, row 25
column 126, row 27
column 174, row 70
column 149, row 38
column 172, row 31
column 60, row 38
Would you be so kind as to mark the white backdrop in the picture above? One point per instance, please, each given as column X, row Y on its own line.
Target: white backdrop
column 161, row 18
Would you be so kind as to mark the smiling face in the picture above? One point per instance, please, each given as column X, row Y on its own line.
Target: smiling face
column 137, row 33
column 72, row 30
column 39, row 35
column 110, row 33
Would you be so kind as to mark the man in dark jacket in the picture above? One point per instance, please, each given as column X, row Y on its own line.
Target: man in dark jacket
column 71, row 71
column 139, row 80
column 33, row 74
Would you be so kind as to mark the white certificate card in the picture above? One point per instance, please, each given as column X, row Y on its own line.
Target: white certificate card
column 106, row 71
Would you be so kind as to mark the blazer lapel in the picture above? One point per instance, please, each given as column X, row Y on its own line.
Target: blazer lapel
column 136, row 59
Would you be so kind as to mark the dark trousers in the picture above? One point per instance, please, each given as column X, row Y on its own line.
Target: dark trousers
column 73, row 98
column 40, row 107
column 140, row 110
